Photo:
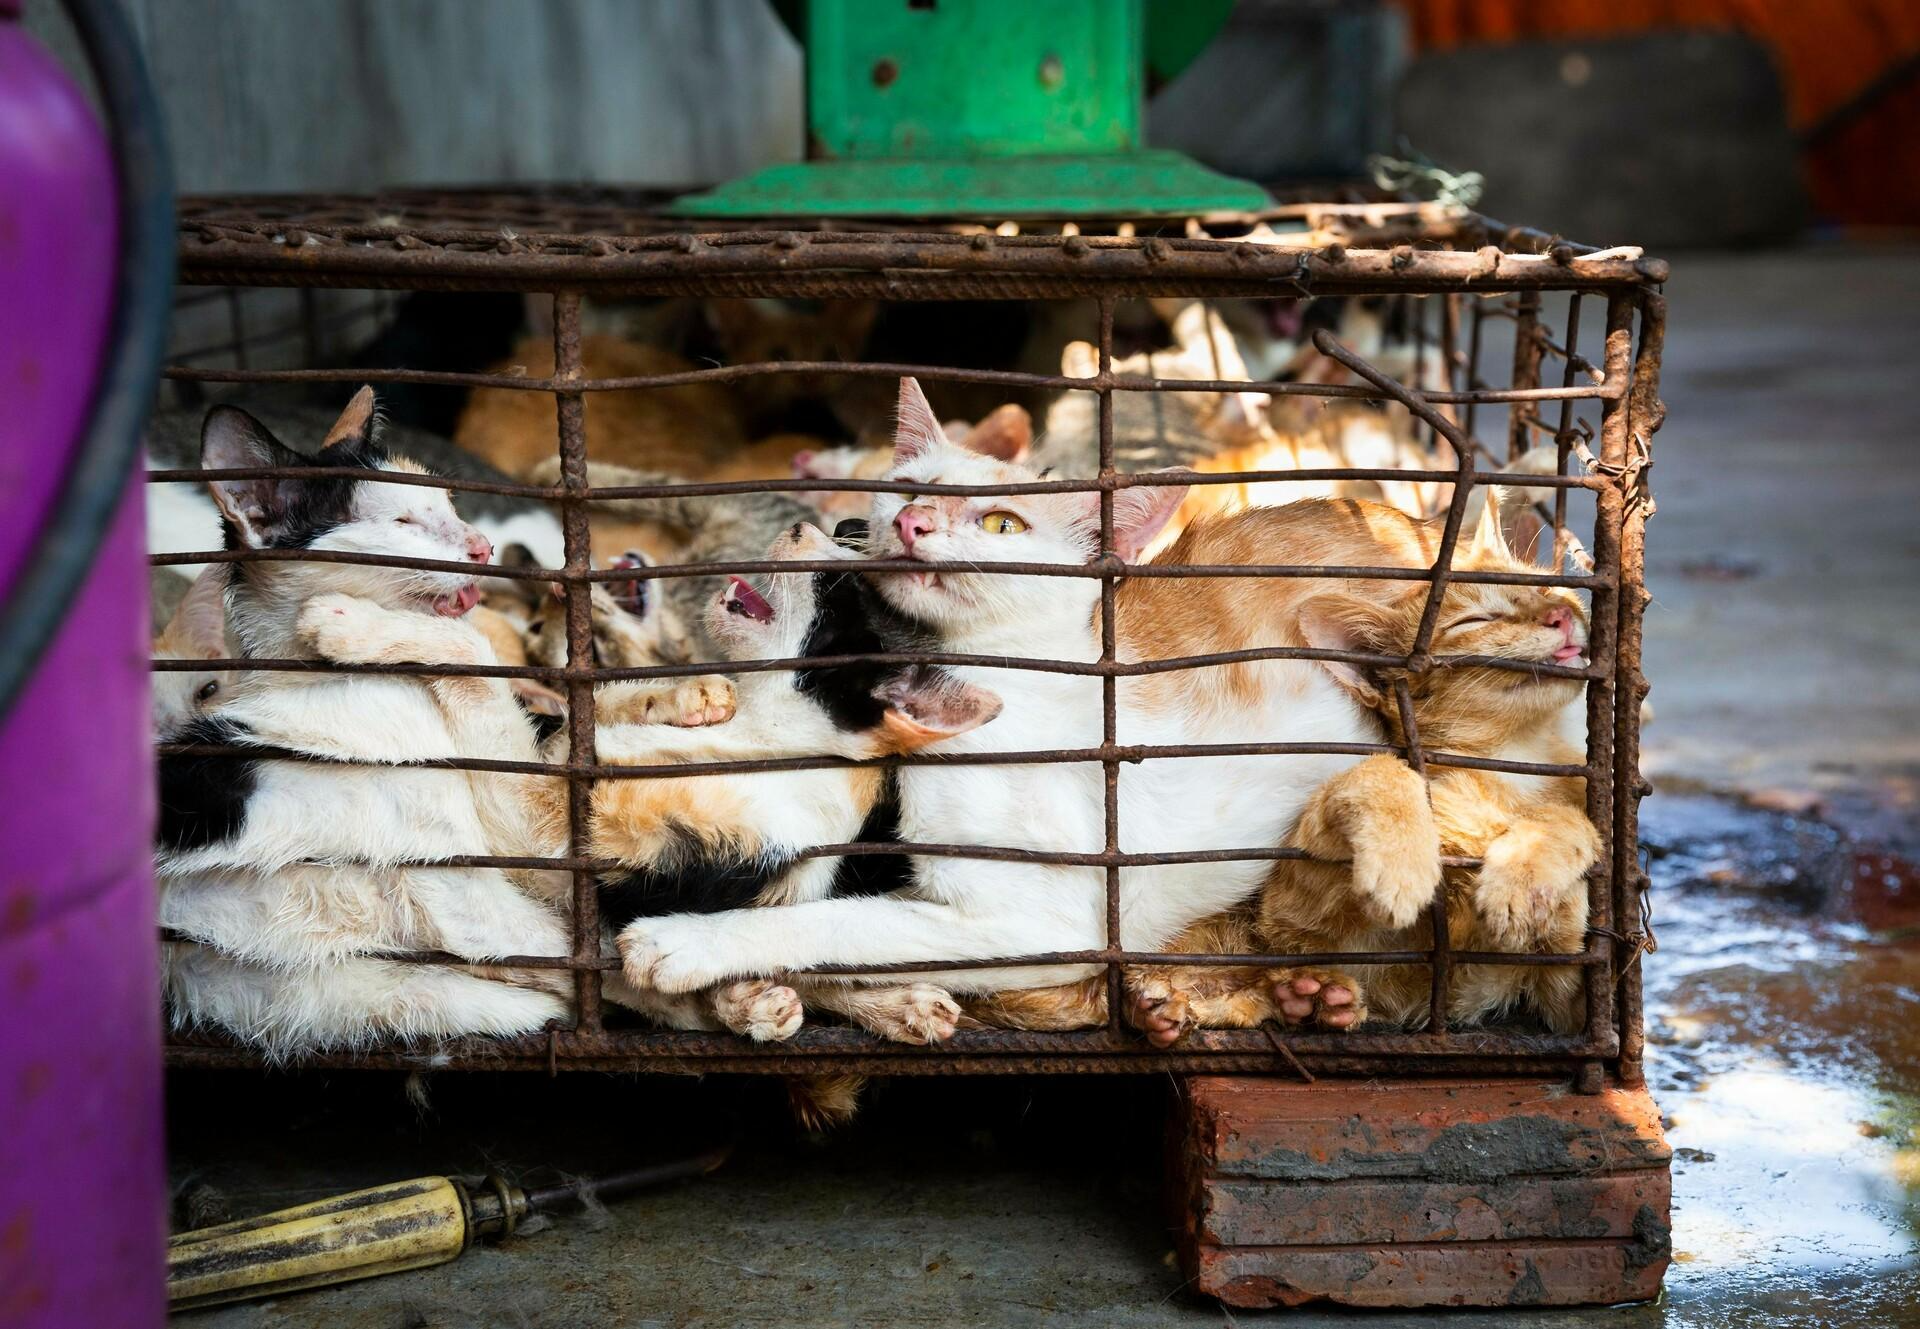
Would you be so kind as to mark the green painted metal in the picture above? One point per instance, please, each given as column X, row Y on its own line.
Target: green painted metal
column 1151, row 182
column 985, row 108
column 1177, row 31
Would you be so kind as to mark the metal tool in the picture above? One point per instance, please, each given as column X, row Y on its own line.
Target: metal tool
column 382, row 1230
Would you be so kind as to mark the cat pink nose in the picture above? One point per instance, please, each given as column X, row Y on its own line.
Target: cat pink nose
column 1560, row 617
column 913, row 522
column 802, row 464
column 479, row 548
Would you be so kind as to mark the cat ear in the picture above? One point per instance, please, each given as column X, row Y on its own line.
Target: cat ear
column 926, row 705
column 356, row 423
column 1139, row 514
column 1006, row 434
column 199, row 623
column 1490, row 537
column 232, row 440
column 916, row 428
column 1333, row 623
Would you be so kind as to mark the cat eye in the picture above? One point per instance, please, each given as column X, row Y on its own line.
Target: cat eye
column 207, row 689
column 1470, row 620
column 1002, row 523
column 404, row 521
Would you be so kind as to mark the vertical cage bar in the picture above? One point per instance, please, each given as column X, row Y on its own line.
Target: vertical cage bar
column 1418, row 307
column 1644, row 416
column 1442, row 964
column 1526, row 371
column 1603, row 647
column 1563, row 435
column 1472, row 376
column 572, row 413
column 1109, row 700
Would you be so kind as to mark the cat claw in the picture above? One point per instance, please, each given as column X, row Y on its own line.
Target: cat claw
column 1160, row 1011
column 1331, row 1001
column 761, row 1009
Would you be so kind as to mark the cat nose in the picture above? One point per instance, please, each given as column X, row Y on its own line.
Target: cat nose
column 912, row 523
column 1560, row 617
column 802, row 464
column 479, row 548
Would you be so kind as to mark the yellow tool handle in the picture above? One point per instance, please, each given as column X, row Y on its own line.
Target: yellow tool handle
column 407, row 1225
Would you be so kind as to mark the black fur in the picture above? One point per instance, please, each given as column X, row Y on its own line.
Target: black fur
column 203, row 800
column 874, row 874
column 299, row 510
column 843, row 624
column 703, row 886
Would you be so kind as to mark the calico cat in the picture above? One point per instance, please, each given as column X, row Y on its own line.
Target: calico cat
column 711, row 843
column 286, row 876
column 960, row 908
column 1532, row 832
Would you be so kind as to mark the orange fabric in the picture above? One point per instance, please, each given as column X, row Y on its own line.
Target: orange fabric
column 1828, row 50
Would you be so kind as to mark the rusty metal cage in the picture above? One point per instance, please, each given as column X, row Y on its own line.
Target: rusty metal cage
column 1456, row 271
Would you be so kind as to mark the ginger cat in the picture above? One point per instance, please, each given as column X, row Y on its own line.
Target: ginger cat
column 683, row 429
column 1532, row 832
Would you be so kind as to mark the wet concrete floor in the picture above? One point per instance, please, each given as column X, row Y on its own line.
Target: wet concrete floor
column 1783, row 1003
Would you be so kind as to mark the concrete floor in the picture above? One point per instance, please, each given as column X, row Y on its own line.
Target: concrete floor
column 1778, row 1014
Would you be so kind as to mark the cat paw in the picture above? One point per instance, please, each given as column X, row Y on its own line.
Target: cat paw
column 1518, row 889
column 1398, row 881
column 667, row 955
column 760, row 1009
column 701, row 701
column 338, row 627
column 917, row 1013
column 1160, row 1011
column 1320, row 998
column 689, row 703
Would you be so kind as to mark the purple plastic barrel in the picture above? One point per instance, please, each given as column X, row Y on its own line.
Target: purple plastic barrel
column 82, row 1181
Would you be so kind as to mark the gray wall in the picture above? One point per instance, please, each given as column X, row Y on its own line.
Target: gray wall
column 359, row 94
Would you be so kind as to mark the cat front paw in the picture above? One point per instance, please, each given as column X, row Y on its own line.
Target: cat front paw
column 671, row 954
column 1397, row 880
column 1321, row 998
column 1524, row 877
column 342, row 628
column 760, row 1009
column 690, row 703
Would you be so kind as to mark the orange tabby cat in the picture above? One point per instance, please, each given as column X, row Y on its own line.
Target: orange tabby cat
column 1532, row 832
column 682, row 430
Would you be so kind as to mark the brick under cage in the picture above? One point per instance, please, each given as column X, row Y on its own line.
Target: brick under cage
column 1449, row 272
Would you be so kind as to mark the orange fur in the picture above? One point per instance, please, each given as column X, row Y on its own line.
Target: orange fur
column 673, row 429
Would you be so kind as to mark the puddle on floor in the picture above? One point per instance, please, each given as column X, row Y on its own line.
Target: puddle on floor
column 1784, row 1045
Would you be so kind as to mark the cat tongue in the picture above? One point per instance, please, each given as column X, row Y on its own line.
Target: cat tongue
column 743, row 599
column 458, row 602
column 1569, row 652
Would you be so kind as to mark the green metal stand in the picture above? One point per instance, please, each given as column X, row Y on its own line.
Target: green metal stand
column 982, row 108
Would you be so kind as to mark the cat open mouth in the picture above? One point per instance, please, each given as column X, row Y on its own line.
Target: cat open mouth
column 744, row 600
column 455, row 603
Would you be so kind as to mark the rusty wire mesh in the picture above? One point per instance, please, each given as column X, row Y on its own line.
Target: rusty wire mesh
column 610, row 244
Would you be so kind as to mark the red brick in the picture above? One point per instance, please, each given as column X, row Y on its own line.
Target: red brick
column 1578, row 1273
column 1488, row 1192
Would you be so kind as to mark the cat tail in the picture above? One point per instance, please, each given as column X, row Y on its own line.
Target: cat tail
column 823, row 1102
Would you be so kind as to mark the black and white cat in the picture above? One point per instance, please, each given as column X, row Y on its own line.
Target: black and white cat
column 289, row 875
